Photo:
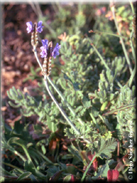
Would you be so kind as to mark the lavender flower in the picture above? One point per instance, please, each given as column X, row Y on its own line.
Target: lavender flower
column 55, row 51
column 43, row 52
column 29, row 27
column 39, row 27
column 45, row 43
column 45, row 49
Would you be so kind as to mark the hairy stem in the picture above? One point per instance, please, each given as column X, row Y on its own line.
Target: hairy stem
column 35, row 53
column 58, row 106
column 62, row 111
column 64, row 100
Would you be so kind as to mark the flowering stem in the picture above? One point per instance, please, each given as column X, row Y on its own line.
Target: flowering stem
column 61, row 110
column 60, row 94
column 35, row 53
column 38, row 12
column 121, row 40
column 64, row 100
column 54, row 100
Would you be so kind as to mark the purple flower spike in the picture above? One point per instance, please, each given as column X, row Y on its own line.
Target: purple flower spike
column 29, row 27
column 55, row 51
column 45, row 43
column 39, row 27
column 43, row 52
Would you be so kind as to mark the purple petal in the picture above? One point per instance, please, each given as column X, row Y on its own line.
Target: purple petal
column 43, row 52
column 55, row 51
column 45, row 43
column 39, row 27
column 29, row 27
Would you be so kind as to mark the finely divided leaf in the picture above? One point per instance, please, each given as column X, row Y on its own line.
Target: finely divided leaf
column 106, row 147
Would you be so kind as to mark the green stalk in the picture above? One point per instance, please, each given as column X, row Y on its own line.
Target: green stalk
column 44, row 157
column 26, row 152
column 5, row 173
column 132, row 77
column 58, row 106
column 64, row 100
column 16, row 168
column 83, row 177
column 107, row 33
column 94, row 121
column 132, row 7
column 134, row 57
column 118, row 109
column 132, row 47
column 18, row 154
column 103, row 61
column 15, row 152
column 122, row 42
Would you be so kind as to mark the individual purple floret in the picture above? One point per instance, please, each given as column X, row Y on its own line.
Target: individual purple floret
column 43, row 52
column 29, row 27
column 45, row 43
column 39, row 27
column 55, row 51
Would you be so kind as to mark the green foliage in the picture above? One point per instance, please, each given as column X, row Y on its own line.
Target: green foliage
column 105, row 148
column 19, row 142
column 66, row 19
column 102, row 172
column 31, row 106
